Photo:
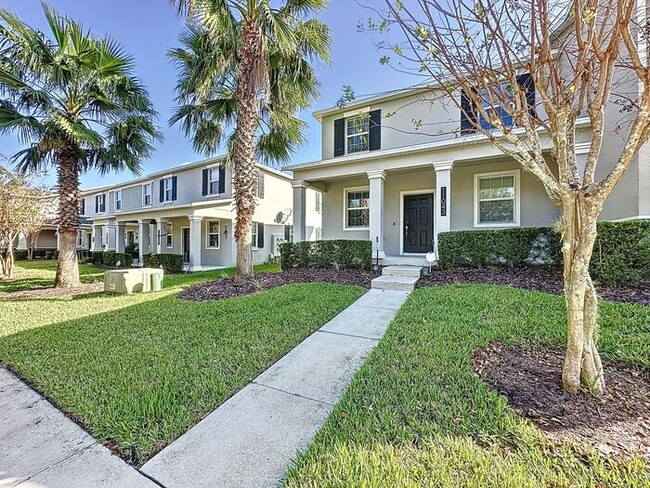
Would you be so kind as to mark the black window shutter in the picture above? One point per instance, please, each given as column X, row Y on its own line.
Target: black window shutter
column 525, row 82
column 374, row 143
column 83, row 206
column 260, row 235
column 162, row 191
column 174, row 181
column 339, row 137
column 97, row 204
column 467, row 114
column 204, row 183
column 287, row 234
column 222, row 179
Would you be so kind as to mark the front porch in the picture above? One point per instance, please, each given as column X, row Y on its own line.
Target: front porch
column 402, row 210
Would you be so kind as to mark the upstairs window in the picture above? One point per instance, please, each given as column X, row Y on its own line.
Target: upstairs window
column 357, row 208
column 82, row 206
column 146, row 194
column 168, row 189
column 100, row 203
column 259, row 187
column 118, row 200
column 358, row 132
column 214, row 181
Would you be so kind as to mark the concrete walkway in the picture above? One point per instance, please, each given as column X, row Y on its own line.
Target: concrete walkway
column 252, row 438
column 41, row 447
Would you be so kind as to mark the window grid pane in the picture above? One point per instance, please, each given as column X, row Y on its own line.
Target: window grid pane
column 213, row 233
column 358, row 212
column 357, row 133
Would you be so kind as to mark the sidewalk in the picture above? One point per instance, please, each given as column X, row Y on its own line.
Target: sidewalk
column 252, row 438
column 41, row 447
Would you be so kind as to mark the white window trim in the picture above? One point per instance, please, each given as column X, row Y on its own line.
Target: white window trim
column 169, row 234
column 171, row 183
column 517, row 201
column 210, row 194
column 115, row 193
column 345, row 207
column 257, row 229
column 347, row 136
column 144, row 205
column 101, row 212
column 207, row 234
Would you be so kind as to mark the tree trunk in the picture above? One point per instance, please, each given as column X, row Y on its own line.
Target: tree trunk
column 67, row 271
column 582, row 365
column 8, row 261
column 244, row 175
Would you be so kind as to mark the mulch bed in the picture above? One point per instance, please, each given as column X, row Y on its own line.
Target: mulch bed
column 227, row 287
column 51, row 292
column 616, row 424
column 540, row 278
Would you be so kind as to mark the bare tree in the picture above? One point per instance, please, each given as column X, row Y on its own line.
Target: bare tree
column 23, row 210
column 587, row 60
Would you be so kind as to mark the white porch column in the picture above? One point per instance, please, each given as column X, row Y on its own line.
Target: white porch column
column 442, row 221
column 299, row 210
column 376, row 226
column 120, row 237
column 143, row 240
column 161, row 226
column 196, row 240
column 97, row 238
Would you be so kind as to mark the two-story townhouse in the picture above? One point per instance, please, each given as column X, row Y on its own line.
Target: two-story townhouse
column 189, row 210
column 401, row 167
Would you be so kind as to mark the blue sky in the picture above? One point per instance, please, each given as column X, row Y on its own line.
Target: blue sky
column 147, row 28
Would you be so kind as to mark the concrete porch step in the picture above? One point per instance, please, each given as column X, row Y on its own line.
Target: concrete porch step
column 404, row 261
column 396, row 283
column 409, row 271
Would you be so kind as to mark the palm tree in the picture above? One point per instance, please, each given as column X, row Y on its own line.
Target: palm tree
column 245, row 69
column 74, row 101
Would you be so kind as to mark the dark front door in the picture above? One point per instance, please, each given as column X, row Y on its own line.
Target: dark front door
column 186, row 245
column 418, row 223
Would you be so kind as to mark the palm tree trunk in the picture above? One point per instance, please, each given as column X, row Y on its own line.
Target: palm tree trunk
column 67, row 271
column 244, row 147
column 582, row 365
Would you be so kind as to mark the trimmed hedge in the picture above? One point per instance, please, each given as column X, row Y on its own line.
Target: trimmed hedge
column 512, row 247
column 97, row 257
column 621, row 253
column 42, row 253
column 171, row 263
column 110, row 259
column 339, row 253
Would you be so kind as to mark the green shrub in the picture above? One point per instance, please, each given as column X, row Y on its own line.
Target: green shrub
column 171, row 263
column 326, row 254
column 512, row 247
column 110, row 259
column 20, row 255
column 132, row 249
column 622, row 252
column 97, row 257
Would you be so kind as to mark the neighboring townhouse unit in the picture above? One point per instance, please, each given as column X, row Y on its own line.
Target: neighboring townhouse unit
column 189, row 210
column 388, row 178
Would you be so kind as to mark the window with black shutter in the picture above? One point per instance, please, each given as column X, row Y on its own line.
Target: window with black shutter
column 260, row 185
column 339, row 137
column 374, row 136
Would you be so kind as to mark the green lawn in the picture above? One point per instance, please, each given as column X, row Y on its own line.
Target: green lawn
column 416, row 415
column 40, row 273
column 139, row 370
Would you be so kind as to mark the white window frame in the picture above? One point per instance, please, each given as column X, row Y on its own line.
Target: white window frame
column 516, row 174
column 254, row 230
column 144, row 194
column 103, row 197
column 208, row 233
column 348, row 136
column 345, row 207
column 169, row 236
column 210, row 180
column 118, row 193
column 170, row 180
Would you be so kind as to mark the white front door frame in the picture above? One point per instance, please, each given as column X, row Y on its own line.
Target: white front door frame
column 402, row 194
column 183, row 242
